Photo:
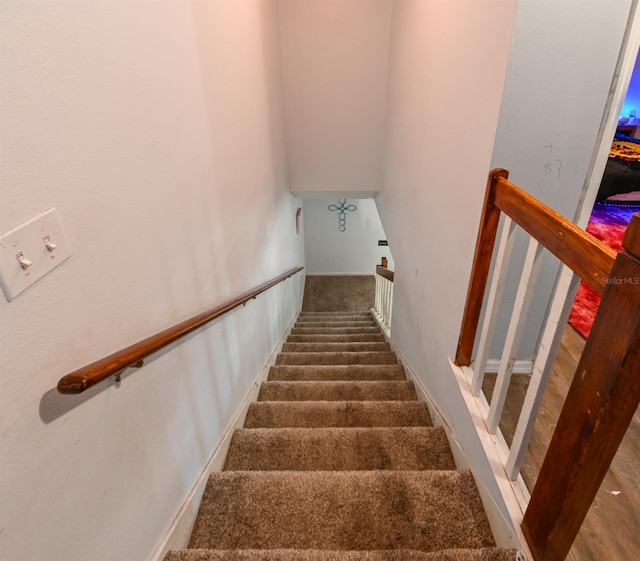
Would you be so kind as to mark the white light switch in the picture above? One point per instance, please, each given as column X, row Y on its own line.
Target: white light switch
column 29, row 251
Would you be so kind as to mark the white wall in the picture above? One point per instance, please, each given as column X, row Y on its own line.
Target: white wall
column 448, row 63
column 334, row 72
column 154, row 129
column 448, row 66
column 632, row 99
column 561, row 68
column 354, row 251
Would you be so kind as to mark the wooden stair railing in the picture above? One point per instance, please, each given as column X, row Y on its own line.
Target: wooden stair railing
column 605, row 391
column 133, row 355
column 385, row 273
column 580, row 251
column 384, row 294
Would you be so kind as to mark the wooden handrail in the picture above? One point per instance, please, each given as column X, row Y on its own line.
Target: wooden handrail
column 386, row 273
column 584, row 254
column 588, row 257
column 87, row 376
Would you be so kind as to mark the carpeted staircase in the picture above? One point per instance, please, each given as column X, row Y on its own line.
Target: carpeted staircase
column 339, row 461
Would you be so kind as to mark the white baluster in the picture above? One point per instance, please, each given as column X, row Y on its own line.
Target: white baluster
column 503, row 258
column 559, row 312
column 514, row 334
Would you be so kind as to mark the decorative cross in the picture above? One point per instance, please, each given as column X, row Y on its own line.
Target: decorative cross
column 342, row 208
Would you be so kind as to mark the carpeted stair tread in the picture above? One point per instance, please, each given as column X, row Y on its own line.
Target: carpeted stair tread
column 336, row 323
column 335, row 314
column 306, row 330
column 338, row 338
column 364, row 510
column 364, row 321
column 335, row 372
column 334, row 346
column 311, row 414
column 335, row 357
column 333, row 318
column 346, row 449
column 337, row 391
column 483, row 554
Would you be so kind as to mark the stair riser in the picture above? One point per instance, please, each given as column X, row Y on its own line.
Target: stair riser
column 290, row 347
column 334, row 330
column 313, row 322
column 484, row 554
column 332, row 449
column 335, row 372
column 337, row 358
column 356, row 338
column 318, row 414
column 376, row 510
column 336, row 318
column 336, row 324
column 337, row 391
column 334, row 314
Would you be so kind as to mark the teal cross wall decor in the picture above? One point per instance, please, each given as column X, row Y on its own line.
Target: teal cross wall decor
column 342, row 208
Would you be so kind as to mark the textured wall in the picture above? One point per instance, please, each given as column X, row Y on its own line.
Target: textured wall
column 154, row 128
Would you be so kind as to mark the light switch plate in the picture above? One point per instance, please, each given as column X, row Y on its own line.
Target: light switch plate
column 28, row 239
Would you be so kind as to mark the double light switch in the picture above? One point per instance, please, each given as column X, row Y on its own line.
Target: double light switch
column 31, row 250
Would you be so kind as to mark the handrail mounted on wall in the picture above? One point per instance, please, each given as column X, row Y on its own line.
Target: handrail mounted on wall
column 133, row 355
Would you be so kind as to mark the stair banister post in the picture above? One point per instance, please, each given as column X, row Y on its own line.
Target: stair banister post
column 485, row 243
column 601, row 402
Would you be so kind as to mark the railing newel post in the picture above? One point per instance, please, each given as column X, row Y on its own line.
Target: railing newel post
column 485, row 242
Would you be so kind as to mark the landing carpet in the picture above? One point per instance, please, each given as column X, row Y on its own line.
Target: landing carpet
column 608, row 223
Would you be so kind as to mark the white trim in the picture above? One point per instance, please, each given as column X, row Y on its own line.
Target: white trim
column 178, row 534
column 382, row 325
column 494, row 299
column 519, row 366
column 514, row 493
column 532, row 263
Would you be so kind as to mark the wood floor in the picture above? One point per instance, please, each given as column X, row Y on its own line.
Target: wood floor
column 611, row 531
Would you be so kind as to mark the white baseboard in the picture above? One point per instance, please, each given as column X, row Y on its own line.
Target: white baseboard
column 382, row 325
column 178, row 534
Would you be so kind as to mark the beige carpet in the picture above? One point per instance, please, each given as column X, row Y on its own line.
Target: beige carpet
column 484, row 554
column 339, row 461
column 341, row 293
